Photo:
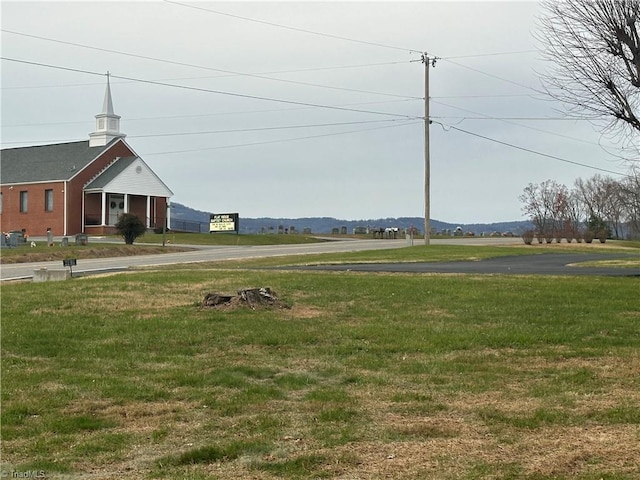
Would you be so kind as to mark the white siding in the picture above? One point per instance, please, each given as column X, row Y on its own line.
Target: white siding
column 138, row 179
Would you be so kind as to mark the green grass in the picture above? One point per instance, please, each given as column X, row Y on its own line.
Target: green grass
column 366, row 376
column 149, row 243
column 226, row 239
column 431, row 253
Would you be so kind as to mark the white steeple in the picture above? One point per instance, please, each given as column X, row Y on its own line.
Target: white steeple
column 107, row 122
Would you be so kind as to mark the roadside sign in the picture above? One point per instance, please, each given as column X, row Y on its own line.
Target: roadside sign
column 69, row 262
column 224, row 222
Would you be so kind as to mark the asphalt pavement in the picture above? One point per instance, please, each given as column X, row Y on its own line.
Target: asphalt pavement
column 539, row 264
column 200, row 253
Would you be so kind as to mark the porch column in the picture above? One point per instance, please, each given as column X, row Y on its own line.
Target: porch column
column 104, row 208
column 168, row 210
column 84, row 218
column 148, row 222
column 126, row 203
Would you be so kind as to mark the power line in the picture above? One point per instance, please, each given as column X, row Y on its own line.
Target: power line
column 259, row 129
column 480, row 55
column 405, row 123
column 296, row 29
column 183, row 64
column 568, row 119
column 281, row 140
column 499, row 95
column 553, row 157
column 237, row 130
column 493, row 76
column 218, row 92
column 507, row 120
column 245, row 112
column 314, row 69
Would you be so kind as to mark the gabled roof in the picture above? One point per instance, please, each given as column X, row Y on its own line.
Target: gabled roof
column 110, row 173
column 46, row 163
column 129, row 175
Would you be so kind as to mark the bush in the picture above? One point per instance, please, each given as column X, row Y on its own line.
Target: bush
column 588, row 236
column 603, row 235
column 130, row 227
column 528, row 236
column 570, row 234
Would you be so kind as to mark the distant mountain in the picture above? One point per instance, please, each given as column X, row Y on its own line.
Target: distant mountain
column 184, row 218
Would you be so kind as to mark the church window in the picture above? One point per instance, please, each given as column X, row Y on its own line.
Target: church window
column 48, row 200
column 24, row 200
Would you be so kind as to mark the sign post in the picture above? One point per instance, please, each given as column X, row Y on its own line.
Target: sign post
column 69, row 262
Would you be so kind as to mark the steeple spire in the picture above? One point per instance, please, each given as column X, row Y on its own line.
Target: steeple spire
column 107, row 122
column 107, row 106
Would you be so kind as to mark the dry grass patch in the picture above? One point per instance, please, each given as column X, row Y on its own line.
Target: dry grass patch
column 552, row 452
column 571, row 451
column 304, row 311
column 47, row 254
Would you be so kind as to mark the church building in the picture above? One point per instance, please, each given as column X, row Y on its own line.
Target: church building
column 80, row 187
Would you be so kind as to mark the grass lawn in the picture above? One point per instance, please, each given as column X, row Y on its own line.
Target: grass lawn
column 148, row 244
column 227, row 239
column 366, row 376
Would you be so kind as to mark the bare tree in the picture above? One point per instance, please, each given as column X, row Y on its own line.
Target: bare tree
column 537, row 210
column 603, row 202
column 630, row 189
column 546, row 205
column 574, row 215
column 594, row 48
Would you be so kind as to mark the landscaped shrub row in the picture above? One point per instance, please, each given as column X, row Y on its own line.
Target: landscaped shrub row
column 529, row 235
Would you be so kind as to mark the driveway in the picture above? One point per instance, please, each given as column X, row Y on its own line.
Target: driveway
column 201, row 253
column 540, row 264
column 546, row 264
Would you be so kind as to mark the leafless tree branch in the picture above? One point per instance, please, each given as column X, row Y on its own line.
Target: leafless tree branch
column 593, row 47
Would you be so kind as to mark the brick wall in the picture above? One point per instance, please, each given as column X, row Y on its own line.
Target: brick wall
column 36, row 219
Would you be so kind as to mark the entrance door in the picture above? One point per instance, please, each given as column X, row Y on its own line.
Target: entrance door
column 116, row 207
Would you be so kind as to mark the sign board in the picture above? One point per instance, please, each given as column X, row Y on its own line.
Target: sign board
column 224, row 222
column 69, row 262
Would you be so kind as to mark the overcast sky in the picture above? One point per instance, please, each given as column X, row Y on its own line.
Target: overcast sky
column 301, row 109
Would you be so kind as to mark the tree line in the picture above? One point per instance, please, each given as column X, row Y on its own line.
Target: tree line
column 598, row 207
column 593, row 49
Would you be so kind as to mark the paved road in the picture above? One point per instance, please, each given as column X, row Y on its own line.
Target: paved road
column 546, row 263
column 541, row 264
column 213, row 253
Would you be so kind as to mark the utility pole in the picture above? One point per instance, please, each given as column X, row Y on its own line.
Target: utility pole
column 427, row 169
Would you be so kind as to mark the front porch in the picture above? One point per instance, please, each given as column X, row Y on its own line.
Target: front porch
column 101, row 210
